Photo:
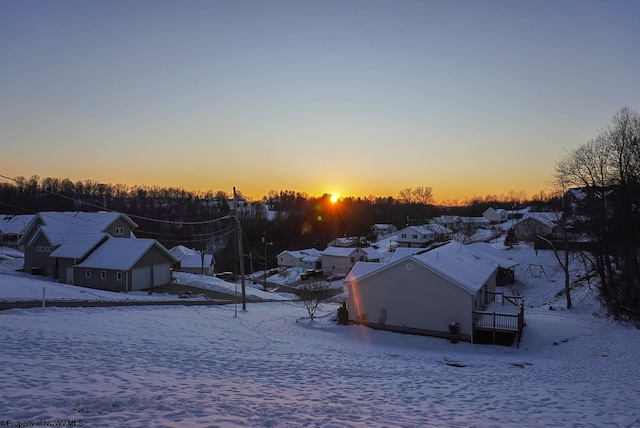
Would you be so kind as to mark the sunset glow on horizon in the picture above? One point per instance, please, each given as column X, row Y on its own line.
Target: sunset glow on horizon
column 358, row 99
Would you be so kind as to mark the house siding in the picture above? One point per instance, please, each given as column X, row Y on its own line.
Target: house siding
column 416, row 301
column 39, row 259
column 110, row 283
column 333, row 264
column 119, row 222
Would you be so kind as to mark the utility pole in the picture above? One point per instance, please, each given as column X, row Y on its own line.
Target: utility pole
column 240, row 252
column 264, row 239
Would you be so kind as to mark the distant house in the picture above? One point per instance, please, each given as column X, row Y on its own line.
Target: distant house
column 422, row 236
column 535, row 224
column 379, row 230
column 495, row 216
column 348, row 242
column 124, row 265
column 307, row 259
column 451, row 222
column 191, row 261
column 340, row 260
column 12, row 228
column 47, row 231
column 440, row 292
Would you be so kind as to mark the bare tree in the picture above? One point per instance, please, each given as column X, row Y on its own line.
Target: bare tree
column 416, row 195
column 312, row 294
column 406, row 195
column 423, row 195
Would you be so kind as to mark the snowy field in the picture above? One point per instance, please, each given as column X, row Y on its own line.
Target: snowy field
column 272, row 367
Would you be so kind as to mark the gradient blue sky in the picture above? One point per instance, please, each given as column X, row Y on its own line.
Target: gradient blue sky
column 351, row 97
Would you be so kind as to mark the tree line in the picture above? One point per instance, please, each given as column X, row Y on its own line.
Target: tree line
column 200, row 220
column 600, row 181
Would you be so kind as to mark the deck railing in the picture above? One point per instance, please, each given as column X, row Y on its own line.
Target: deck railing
column 498, row 322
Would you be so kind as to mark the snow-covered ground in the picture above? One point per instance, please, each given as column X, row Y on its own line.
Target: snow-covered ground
column 271, row 366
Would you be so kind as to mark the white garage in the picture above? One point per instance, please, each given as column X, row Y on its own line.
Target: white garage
column 161, row 274
column 140, row 278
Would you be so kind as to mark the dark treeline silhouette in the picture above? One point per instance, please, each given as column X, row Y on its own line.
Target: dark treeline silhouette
column 281, row 220
column 606, row 172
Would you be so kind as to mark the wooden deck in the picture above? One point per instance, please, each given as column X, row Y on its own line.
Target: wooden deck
column 505, row 314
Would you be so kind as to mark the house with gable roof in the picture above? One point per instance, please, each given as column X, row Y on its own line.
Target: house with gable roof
column 48, row 231
column 423, row 235
column 307, row 259
column 534, row 224
column 495, row 216
column 429, row 292
column 12, row 228
column 340, row 260
column 57, row 243
column 127, row 264
column 191, row 261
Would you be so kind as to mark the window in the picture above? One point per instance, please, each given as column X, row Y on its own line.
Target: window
column 414, row 236
column 87, row 273
column 119, row 230
column 103, row 274
column 404, row 235
column 39, row 249
column 119, row 276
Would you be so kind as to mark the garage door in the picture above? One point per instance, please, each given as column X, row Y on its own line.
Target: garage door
column 161, row 274
column 141, row 278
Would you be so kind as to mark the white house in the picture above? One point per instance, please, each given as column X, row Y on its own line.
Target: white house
column 191, row 261
column 309, row 258
column 536, row 224
column 495, row 216
column 428, row 293
column 383, row 229
column 421, row 236
column 340, row 260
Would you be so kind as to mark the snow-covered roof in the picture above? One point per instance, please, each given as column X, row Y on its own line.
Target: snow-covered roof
column 460, row 265
column 121, row 253
column 445, row 219
column 383, row 226
column 77, row 246
column 474, row 220
column 338, row 251
column 57, row 225
column 180, row 251
column 422, row 229
column 361, row 269
column 494, row 254
column 467, row 268
column 548, row 217
column 402, row 252
column 373, row 254
column 14, row 224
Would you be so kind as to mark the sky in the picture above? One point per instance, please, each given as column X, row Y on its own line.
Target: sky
column 354, row 98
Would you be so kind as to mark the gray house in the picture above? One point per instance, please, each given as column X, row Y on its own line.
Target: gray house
column 47, row 231
column 124, row 265
column 431, row 291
